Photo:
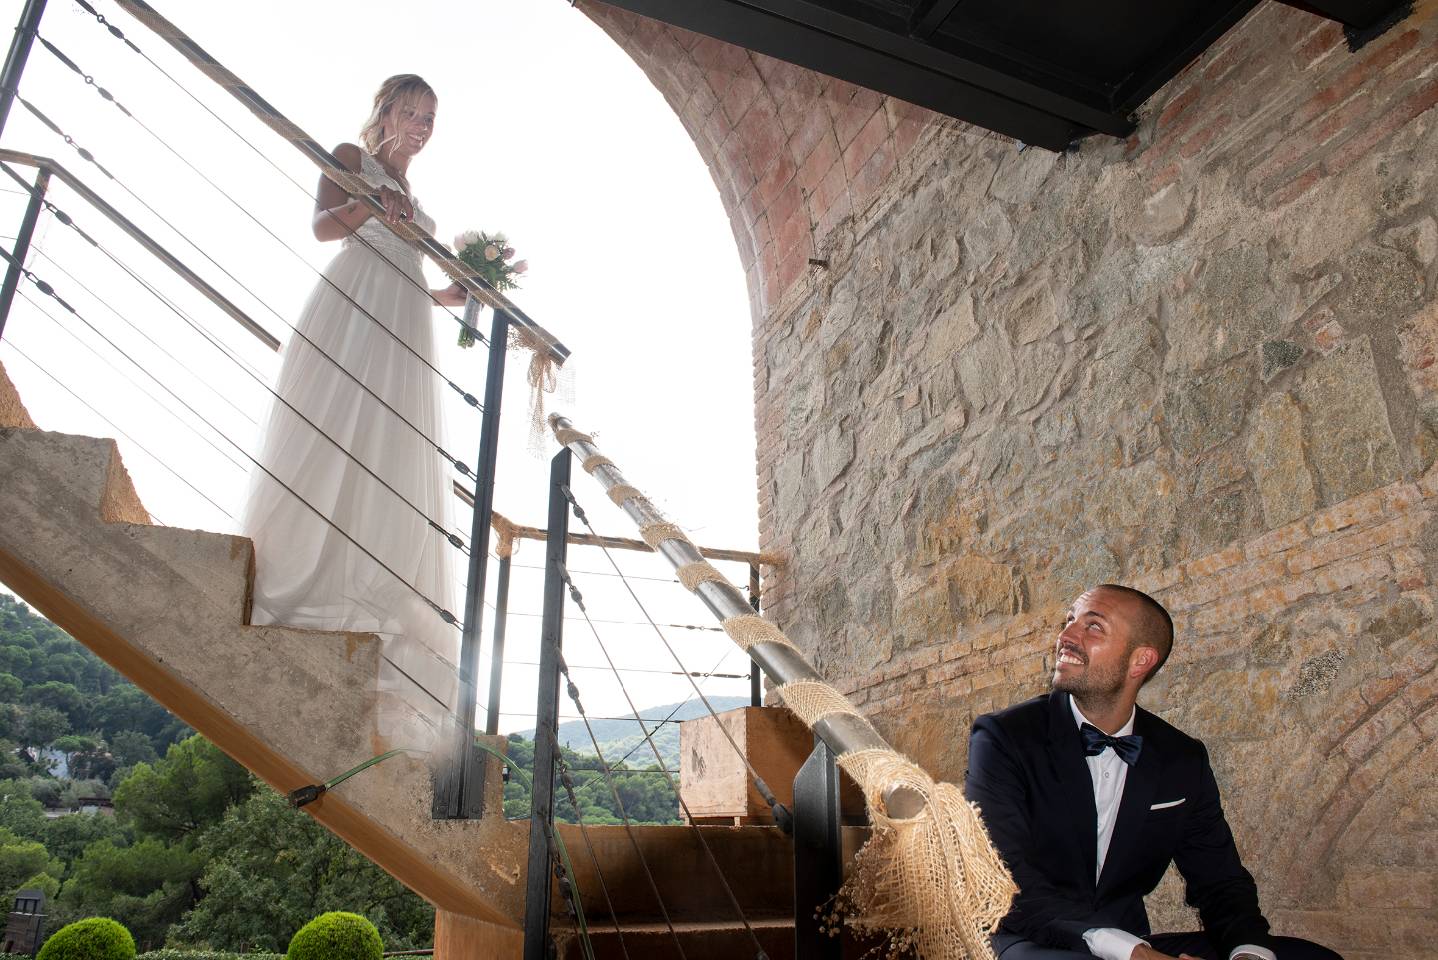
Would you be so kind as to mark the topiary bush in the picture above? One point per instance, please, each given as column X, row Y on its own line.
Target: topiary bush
column 171, row 953
column 97, row 938
column 336, row 936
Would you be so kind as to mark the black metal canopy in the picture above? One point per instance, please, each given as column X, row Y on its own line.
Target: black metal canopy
column 1046, row 72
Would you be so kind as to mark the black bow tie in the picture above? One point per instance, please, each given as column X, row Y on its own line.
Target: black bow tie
column 1095, row 740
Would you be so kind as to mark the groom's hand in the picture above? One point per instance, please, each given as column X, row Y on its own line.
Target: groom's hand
column 1144, row 952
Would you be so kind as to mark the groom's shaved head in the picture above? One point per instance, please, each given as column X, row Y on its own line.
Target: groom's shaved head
column 1149, row 623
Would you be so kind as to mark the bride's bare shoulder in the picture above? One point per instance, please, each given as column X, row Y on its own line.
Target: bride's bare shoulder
column 348, row 154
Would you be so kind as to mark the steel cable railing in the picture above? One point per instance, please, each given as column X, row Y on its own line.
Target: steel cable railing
column 458, row 465
column 648, row 726
column 468, row 397
column 49, row 291
column 451, row 538
column 573, row 692
column 144, row 391
column 80, row 284
column 119, row 35
column 10, row 345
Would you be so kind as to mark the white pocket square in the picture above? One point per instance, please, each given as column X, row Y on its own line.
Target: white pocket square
column 1168, row 803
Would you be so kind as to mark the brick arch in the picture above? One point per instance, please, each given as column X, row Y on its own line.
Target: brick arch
column 792, row 152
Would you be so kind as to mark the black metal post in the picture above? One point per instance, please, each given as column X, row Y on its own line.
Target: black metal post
column 22, row 245
column 459, row 794
column 546, row 714
column 19, row 52
column 496, row 657
column 818, row 853
column 756, row 676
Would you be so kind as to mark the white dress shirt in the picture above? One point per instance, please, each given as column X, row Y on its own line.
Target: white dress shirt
column 1108, row 773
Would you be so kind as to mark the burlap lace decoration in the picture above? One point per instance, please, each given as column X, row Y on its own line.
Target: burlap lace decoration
column 621, row 492
column 700, row 571
column 504, row 531
column 748, row 630
column 656, row 533
column 568, row 435
column 933, row 882
column 591, row 464
column 812, row 700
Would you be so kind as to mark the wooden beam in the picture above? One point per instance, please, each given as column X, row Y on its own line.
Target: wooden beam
column 509, row 530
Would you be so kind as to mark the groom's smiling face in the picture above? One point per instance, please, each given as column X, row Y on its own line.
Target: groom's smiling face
column 1091, row 653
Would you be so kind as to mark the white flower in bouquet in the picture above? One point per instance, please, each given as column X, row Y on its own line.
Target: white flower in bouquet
column 488, row 255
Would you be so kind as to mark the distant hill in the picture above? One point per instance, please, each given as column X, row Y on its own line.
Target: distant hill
column 618, row 737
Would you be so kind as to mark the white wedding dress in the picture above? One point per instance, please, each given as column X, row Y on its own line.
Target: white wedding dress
column 307, row 573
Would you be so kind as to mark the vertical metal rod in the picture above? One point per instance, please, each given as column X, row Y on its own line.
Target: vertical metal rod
column 22, row 245
column 496, row 658
column 818, row 855
column 19, row 52
column 756, row 675
column 459, row 795
column 546, row 714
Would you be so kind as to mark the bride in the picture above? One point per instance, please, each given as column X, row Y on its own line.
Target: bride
column 372, row 314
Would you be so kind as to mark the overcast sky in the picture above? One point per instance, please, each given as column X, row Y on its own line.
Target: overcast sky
column 546, row 130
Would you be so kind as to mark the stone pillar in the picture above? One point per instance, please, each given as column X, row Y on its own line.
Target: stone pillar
column 12, row 411
column 457, row 937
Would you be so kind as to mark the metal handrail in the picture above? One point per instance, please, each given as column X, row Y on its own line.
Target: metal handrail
column 59, row 172
column 330, row 166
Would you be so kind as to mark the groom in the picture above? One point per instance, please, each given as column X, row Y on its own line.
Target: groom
column 1088, row 798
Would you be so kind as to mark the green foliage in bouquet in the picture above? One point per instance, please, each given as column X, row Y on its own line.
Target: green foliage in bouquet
column 491, row 257
column 337, row 936
column 97, row 938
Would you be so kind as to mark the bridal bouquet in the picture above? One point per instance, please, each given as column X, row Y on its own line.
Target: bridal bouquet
column 491, row 257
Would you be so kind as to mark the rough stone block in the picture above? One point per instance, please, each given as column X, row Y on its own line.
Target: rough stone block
column 1276, row 457
column 1351, row 442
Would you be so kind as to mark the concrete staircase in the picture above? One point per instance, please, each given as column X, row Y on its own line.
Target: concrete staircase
column 168, row 608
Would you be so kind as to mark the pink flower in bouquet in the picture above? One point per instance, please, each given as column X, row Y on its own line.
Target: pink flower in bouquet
column 520, row 266
column 491, row 252
column 508, row 253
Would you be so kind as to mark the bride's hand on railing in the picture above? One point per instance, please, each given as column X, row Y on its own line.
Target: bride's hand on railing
column 451, row 296
column 397, row 206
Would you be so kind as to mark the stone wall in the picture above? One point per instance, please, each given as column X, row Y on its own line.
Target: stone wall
column 1201, row 361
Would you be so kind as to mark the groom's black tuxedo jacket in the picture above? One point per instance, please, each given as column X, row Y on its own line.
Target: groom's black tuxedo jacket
column 1028, row 776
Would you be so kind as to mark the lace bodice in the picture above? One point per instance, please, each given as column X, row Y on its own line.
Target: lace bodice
column 376, row 233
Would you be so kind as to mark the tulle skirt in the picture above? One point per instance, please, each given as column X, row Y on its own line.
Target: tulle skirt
column 323, row 545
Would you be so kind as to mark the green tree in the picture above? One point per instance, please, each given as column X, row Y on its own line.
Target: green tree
column 126, row 707
column 270, row 868
column 15, row 659
column 147, row 886
column 40, row 725
column 10, row 688
column 186, row 791
column 61, row 696
column 20, row 812
column 130, row 747
column 67, row 837
column 22, row 860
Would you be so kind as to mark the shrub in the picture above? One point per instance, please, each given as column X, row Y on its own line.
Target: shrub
column 336, row 936
column 97, row 938
column 170, row 953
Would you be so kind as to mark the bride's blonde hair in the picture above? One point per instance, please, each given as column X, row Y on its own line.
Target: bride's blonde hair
column 402, row 88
